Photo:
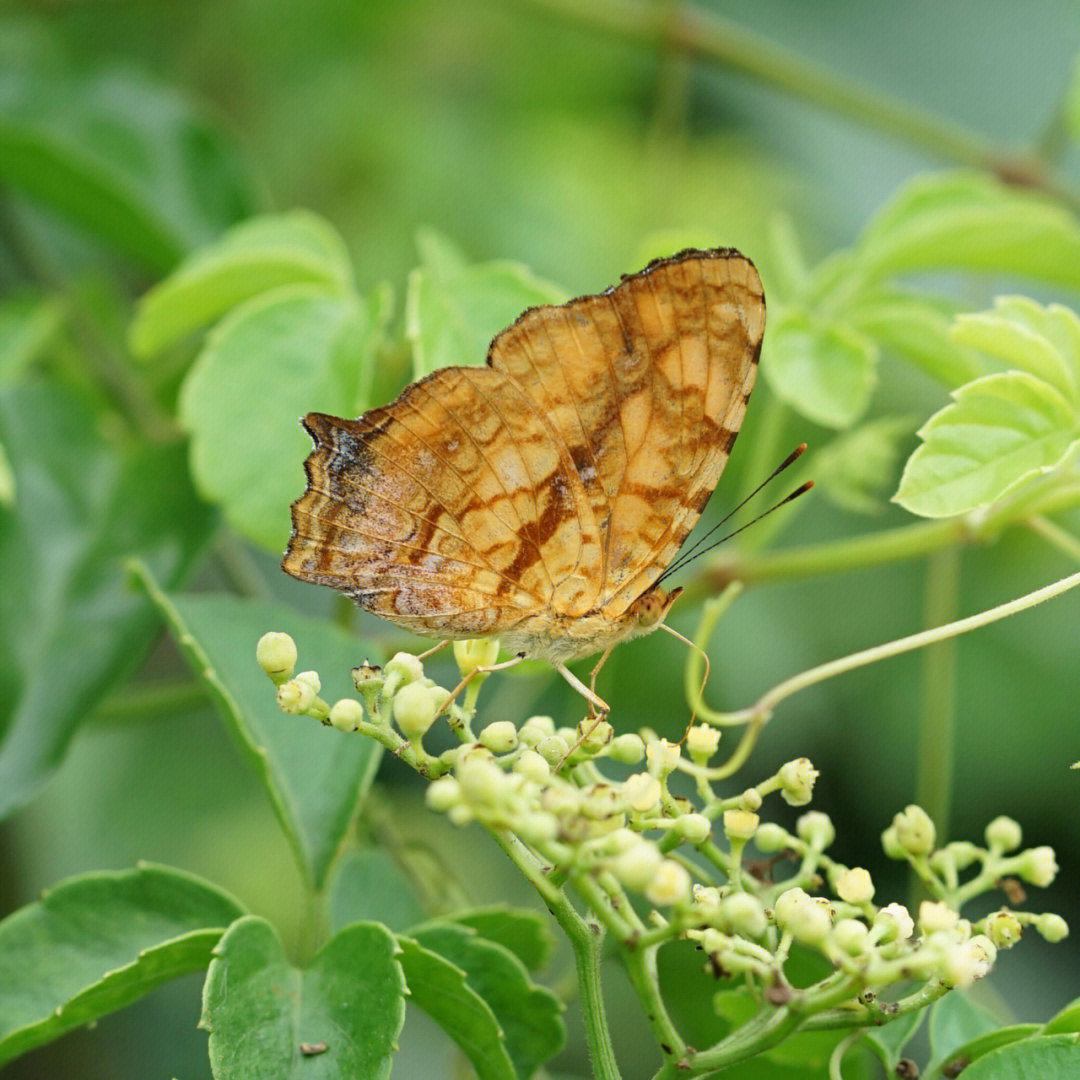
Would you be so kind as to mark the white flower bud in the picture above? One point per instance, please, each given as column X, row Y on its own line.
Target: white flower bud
column 770, row 838
column 474, row 653
column 815, row 829
column 627, row 749
column 535, row 730
column 642, row 792
column 459, row 814
column 1003, row 929
column 601, row 801
column 936, row 915
column 532, row 766
column 850, row 936
column 637, row 865
column 890, row 842
column 443, row 794
column 1003, row 834
column 915, row 831
column 405, row 667
column 701, row 742
column 894, row 923
column 346, row 714
column 1052, row 927
column 276, row 655
column 593, row 735
column 855, row 886
column 706, row 901
column 743, row 914
column 968, row 961
column 415, row 708
column 670, row 884
column 807, row 918
column 553, row 748
column 797, row 781
column 693, row 828
column 537, row 827
column 500, row 737
column 963, row 853
column 662, row 757
column 297, row 696
column 482, row 781
column 1038, row 866
column 740, row 824
column 751, row 799
column 562, row 799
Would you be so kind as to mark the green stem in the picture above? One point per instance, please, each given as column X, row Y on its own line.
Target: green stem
column 1064, row 541
column 937, row 714
column 704, row 34
column 640, row 964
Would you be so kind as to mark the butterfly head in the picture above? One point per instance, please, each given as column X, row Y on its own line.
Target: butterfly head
column 651, row 608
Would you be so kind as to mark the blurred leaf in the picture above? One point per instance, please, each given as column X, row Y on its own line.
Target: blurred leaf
column 98, row 942
column 524, row 933
column 970, row 221
column 1067, row 1020
column 824, row 371
column 439, row 987
column 315, row 776
column 954, row 1021
column 1070, row 107
column 125, row 159
column 368, row 886
column 999, row 431
column 70, row 624
column 261, row 1012
column 7, row 481
column 528, row 1014
column 857, row 469
column 1053, row 1057
column 1023, row 335
column 982, row 1044
column 916, row 330
column 889, row 1040
column 250, row 259
column 27, row 324
column 453, row 310
column 275, row 358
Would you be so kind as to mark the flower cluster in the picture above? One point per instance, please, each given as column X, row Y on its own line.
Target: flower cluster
column 663, row 831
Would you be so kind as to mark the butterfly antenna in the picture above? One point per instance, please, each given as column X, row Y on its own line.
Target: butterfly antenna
column 692, row 552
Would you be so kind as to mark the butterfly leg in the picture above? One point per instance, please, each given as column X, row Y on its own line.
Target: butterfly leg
column 597, row 705
column 433, row 650
column 482, row 670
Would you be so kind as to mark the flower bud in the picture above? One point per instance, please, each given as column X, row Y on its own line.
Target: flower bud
column 797, row 781
column 770, row 838
column 405, row 667
column 743, row 914
column 600, row 801
column 475, row 653
column 670, row 884
column 593, row 735
column 415, row 708
column 1037, row 866
column 751, row 800
column 535, row 730
column 1003, row 834
column 740, row 824
column 855, row 886
column 936, row 915
column 346, row 714
column 706, row 902
column 368, row 677
column 482, row 781
column 500, row 737
column 532, row 766
column 850, row 936
column 701, row 742
column 894, row 923
column 642, row 792
column 443, row 794
column 627, row 749
column 537, row 827
column 915, row 831
column 276, row 655
column 968, row 961
column 1053, row 928
column 297, row 696
column 1003, row 929
column 553, row 748
column 637, row 865
column 693, row 828
column 807, row 918
column 662, row 757
column 890, row 842
column 815, row 829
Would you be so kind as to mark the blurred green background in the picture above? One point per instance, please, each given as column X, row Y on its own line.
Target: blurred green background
column 522, row 133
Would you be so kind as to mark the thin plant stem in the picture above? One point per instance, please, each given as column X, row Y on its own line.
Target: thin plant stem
column 937, row 713
column 1061, row 539
column 640, row 964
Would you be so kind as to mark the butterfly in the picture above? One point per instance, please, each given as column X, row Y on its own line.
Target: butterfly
column 542, row 497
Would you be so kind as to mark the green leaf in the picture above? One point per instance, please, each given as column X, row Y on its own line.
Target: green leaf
column 857, row 469
column 970, row 221
column 1054, row 1057
column 1067, row 1020
column 276, row 357
column 261, row 1012
column 253, row 258
column 529, row 1015
column 889, row 1040
column 315, row 776
column 122, row 158
column 453, row 310
column 954, row 1021
column 1023, row 335
column 982, row 1044
column 525, row 933
column 98, row 942
column 916, row 330
column 70, row 624
column 1000, row 431
column 825, row 371
column 440, row 989
column 27, row 324
column 369, row 886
